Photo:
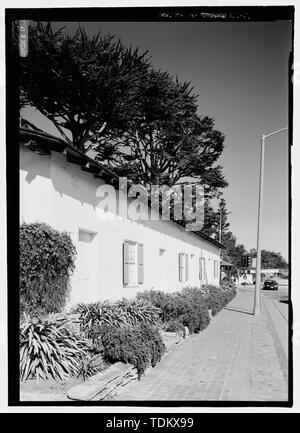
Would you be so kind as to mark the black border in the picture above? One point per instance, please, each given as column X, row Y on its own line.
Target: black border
column 144, row 14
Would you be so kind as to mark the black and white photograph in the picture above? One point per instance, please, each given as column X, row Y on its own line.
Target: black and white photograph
column 148, row 193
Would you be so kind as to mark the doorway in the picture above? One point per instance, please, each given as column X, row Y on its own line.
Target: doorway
column 163, row 282
column 86, row 266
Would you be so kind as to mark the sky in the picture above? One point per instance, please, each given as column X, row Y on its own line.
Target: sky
column 240, row 73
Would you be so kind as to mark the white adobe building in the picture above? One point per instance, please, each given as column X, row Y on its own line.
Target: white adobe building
column 116, row 256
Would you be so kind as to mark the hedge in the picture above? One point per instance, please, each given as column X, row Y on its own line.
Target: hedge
column 187, row 307
column 216, row 298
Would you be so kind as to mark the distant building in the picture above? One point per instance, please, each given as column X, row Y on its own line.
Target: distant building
column 249, row 275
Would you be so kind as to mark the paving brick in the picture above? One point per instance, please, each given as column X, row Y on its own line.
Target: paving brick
column 234, row 359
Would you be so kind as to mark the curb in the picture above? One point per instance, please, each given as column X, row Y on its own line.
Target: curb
column 281, row 346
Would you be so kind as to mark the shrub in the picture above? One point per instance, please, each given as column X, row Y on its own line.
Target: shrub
column 196, row 319
column 216, row 297
column 138, row 345
column 195, row 314
column 187, row 307
column 123, row 312
column 167, row 303
column 46, row 262
column 151, row 337
column 48, row 348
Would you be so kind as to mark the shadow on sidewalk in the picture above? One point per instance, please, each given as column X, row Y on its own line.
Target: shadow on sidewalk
column 239, row 311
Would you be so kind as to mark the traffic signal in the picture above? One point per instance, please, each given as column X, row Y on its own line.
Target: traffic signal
column 246, row 261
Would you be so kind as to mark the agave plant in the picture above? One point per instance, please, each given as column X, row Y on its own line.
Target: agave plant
column 49, row 348
column 98, row 314
column 138, row 310
column 90, row 365
column 116, row 314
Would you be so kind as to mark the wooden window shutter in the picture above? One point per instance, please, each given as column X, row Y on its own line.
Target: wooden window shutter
column 140, row 263
column 216, row 269
column 200, row 268
column 180, row 265
column 125, row 262
column 204, row 271
column 186, row 267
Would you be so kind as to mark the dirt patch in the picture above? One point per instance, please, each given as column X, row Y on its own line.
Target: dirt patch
column 46, row 390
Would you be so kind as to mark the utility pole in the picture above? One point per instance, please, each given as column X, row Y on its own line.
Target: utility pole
column 257, row 297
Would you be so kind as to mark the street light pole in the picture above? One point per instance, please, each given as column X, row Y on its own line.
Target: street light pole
column 257, row 298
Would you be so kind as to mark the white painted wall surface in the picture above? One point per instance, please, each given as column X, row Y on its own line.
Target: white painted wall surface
column 61, row 194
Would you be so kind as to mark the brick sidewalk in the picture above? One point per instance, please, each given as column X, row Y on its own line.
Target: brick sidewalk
column 234, row 359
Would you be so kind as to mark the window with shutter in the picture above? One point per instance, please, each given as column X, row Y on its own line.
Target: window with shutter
column 183, row 267
column 202, row 269
column 180, row 264
column 133, row 263
column 216, row 269
column 125, row 262
column 140, row 263
column 186, row 267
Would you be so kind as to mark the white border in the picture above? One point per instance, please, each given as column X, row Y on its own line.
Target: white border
column 295, row 210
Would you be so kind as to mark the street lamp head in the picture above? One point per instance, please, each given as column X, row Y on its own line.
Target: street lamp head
column 273, row 133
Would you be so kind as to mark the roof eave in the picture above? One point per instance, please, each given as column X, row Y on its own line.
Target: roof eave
column 87, row 164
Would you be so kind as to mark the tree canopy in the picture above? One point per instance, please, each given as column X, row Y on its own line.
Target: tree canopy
column 270, row 259
column 140, row 121
column 84, row 84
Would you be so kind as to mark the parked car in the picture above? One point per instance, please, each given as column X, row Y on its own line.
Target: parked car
column 271, row 285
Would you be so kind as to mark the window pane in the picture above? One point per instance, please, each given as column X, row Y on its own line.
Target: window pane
column 132, row 264
column 132, row 273
column 132, row 253
column 84, row 236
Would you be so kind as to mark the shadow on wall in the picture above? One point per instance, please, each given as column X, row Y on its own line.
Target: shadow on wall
column 67, row 179
column 70, row 180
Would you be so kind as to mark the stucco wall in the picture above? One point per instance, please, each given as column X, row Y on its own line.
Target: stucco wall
column 61, row 194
